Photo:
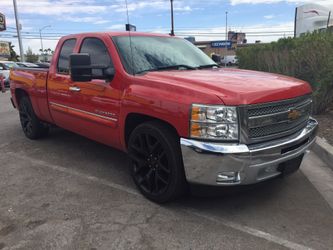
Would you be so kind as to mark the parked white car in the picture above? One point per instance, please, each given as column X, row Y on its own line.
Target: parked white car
column 5, row 67
column 229, row 60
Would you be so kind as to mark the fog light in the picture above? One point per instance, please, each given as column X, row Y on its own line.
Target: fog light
column 228, row 177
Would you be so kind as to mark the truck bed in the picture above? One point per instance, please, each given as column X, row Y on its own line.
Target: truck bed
column 34, row 82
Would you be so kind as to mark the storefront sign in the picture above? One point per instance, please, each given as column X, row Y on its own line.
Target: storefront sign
column 221, row 44
column 4, row 49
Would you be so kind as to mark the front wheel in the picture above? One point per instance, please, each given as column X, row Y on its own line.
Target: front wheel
column 32, row 127
column 156, row 163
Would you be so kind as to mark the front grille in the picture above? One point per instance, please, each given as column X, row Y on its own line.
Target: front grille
column 275, row 107
column 275, row 129
column 278, row 119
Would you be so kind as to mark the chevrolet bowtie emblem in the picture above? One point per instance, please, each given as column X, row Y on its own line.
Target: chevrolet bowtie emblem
column 294, row 114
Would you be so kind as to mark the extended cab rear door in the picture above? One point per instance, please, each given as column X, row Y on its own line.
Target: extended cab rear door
column 59, row 81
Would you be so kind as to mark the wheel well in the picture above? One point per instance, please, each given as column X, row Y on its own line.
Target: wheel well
column 19, row 93
column 134, row 119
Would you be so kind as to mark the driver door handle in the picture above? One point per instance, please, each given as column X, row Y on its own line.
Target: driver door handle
column 74, row 89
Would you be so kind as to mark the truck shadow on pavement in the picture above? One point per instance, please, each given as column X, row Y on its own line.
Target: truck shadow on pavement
column 102, row 159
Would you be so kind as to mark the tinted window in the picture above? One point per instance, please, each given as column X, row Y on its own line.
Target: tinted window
column 63, row 61
column 98, row 53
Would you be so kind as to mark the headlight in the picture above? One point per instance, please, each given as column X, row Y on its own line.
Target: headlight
column 214, row 122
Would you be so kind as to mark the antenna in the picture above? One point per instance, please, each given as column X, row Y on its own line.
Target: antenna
column 328, row 20
column 130, row 39
column 172, row 33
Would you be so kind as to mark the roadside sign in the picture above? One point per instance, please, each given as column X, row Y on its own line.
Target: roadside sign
column 2, row 22
column 4, row 49
column 221, row 44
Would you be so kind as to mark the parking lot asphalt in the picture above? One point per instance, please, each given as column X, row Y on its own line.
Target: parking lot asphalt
column 68, row 192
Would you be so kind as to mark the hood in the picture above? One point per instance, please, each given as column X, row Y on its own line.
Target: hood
column 234, row 86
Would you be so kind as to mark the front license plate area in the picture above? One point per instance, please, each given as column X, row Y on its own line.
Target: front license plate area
column 290, row 166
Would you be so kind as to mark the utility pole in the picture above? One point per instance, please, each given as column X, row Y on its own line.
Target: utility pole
column 172, row 33
column 18, row 29
column 226, row 38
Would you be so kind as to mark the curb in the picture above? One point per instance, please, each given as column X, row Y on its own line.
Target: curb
column 324, row 151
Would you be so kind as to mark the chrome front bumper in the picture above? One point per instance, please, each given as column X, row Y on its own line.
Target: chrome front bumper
column 212, row 163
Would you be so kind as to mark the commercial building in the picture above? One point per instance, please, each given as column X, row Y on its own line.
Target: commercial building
column 222, row 47
column 311, row 17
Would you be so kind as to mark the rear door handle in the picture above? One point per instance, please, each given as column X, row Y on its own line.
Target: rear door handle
column 74, row 89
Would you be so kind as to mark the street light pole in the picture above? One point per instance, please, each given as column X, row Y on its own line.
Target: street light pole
column 172, row 33
column 18, row 29
column 40, row 35
column 41, row 38
column 226, row 38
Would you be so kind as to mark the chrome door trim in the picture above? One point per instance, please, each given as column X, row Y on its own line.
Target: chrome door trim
column 84, row 112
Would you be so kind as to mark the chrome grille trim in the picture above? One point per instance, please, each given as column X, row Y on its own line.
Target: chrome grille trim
column 262, row 122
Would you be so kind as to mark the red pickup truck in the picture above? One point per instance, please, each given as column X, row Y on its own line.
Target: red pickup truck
column 179, row 116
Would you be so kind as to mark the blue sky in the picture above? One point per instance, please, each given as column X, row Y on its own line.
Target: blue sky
column 259, row 18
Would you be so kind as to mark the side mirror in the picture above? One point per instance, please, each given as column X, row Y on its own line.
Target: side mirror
column 1, row 68
column 80, row 67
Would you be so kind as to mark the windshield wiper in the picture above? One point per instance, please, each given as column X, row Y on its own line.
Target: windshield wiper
column 208, row 66
column 178, row 66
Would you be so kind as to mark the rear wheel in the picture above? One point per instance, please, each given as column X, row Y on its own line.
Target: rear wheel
column 156, row 164
column 32, row 127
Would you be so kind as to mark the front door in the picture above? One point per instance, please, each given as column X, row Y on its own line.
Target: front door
column 97, row 103
column 87, row 108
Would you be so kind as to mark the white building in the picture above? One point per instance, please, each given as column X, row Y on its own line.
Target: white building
column 311, row 17
column 45, row 58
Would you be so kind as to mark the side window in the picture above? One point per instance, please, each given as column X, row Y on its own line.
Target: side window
column 98, row 53
column 63, row 61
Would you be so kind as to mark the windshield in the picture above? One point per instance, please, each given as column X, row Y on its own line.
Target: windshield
column 159, row 53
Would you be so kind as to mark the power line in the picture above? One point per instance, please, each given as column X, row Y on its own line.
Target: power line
column 52, row 34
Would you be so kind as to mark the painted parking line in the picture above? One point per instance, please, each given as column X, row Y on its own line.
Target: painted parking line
column 252, row 231
column 320, row 176
column 74, row 173
column 239, row 227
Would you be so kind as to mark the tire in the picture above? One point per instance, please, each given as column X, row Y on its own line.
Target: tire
column 156, row 163
column 32, row 127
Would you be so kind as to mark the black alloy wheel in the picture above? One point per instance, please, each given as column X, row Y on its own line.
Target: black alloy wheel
column 156, row 163
column 26, row 119
column 32, row 127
